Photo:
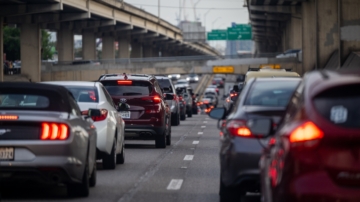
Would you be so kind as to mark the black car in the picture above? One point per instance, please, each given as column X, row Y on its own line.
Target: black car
column 240, row 154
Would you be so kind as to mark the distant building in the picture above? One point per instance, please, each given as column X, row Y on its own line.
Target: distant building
column 193, row 31
column 232, row 47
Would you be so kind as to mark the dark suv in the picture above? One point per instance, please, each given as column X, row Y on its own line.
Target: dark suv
column 141, row 103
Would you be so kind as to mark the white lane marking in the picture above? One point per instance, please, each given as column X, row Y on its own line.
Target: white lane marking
column 205, row 121
column 188, row 157
column 207, row 118
column 175, row 184
column 200, row 133
column 196, row 142
column 183, row 167
column 203, row 126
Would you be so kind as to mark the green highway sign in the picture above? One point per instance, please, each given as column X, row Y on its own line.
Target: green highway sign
column 217, row 35
column 238, row 32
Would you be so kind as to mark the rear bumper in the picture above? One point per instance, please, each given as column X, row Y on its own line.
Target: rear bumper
column 317, row 186
column 143, row 132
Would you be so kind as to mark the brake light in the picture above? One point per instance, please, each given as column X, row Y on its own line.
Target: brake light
column 238, row 128
column 54, row 131
column 233, row 94
column 124, row 82
column 102, row 117
column 9, row 117
column 181, row 98
column 156, row 99
column 217, row 90
column 176, row 97
column 308, row 131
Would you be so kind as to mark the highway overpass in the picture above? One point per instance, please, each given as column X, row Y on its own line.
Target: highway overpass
column 111, row 20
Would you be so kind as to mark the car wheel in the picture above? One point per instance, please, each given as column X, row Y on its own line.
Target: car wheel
column 175, row 120
column 80, row 189
column 178, row 119
column 189, row 113
column 109, row 160
column 183, row 117
column 194, row 111
column 92, row 181
column 230, row 193
column 120, row 158
column 168, row 137
column 160, row 141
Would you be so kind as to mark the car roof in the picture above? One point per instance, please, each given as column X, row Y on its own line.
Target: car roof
column 182, row 80
column 70, row 83
column 162, row 77
column 252, row 74
column 138, row 77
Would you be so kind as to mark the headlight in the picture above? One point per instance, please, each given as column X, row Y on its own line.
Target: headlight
column 178, row 76
column 196, row 78
column 188, row 78
column 169, row 76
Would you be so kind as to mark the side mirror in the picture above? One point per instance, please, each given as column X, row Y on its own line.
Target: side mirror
column 168, row 96
column 94, row 112
column 260, row 127
column 218, row 113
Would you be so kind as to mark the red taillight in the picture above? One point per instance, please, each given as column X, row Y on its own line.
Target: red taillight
column 217, row 90
column 238, row 128
column 155, row 99
column 54, row 131
column 214, row 82
column 175, row 97
column 233, row 94
column 308, row 131
column 102, row 117
column 92, row 95
column 124, row 82
column 181, row 98
column 9, row 117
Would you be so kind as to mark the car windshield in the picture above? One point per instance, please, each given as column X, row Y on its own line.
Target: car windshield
column 134, row 89
column 271, row 93
column 182, row 82
column 84, row 93
column 165, row 83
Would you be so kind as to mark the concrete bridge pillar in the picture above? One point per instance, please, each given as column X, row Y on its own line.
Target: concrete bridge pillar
column 108, row 48
column 30, row 50
column 124, row 47
column 1, row 49
column 148, row 51
column 136, row 50
column 65, row 44
column 89, row 45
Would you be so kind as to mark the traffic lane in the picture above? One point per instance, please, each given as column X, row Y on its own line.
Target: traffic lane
column 142, row 160
column 186, row 172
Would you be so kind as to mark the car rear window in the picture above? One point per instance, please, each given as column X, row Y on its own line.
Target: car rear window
column 165, row 83
column 271, row 93
column 134, row 89
column 84, row 93
column 340, row 105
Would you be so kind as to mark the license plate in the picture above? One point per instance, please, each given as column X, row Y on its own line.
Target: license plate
column 125, row 114
column 6, row 153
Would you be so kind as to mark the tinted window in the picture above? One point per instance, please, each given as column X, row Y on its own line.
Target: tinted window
column 24, row 101
column 165, row 83
column 271, row 93
column 133, row 89
column 181, row 82
column 340, row 105
column 84, row 93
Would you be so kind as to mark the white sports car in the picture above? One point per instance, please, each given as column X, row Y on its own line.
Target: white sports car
column 110, row 126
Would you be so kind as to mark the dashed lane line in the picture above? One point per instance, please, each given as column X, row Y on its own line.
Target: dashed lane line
column 188, row 157
column 196, row 142
column 203, row 126
column 175, row 184
column 200, row 133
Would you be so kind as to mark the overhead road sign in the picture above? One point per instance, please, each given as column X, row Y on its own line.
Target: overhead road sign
column 217, row 35
column 223, row 69
column 236, row 32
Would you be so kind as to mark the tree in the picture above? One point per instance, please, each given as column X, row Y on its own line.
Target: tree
column 12, row 44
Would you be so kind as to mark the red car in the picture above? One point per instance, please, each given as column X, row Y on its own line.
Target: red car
column 315, row 153
column 141, row 103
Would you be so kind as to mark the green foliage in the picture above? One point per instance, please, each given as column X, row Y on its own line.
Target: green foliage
column 12, row 44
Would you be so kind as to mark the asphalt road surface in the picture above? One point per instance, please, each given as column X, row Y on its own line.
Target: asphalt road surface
column 188, row 170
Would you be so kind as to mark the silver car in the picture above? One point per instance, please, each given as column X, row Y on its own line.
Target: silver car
column 45, row 139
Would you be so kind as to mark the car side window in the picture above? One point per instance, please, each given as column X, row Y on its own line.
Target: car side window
column 157, row 88
column 294, row 104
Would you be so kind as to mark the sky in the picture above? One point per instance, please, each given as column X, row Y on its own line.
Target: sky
column 222, row 14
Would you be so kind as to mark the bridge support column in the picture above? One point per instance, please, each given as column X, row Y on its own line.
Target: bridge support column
column 124, row 47
column 148, row 51
column 136, row 50
column 89, row 45
column 65, row 44
column 155, row 53
column 30, row 50
column 1, row 49
column 108, row 49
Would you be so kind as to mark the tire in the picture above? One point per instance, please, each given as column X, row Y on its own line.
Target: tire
column 109, row 160
column 183, row 117
column 120, row 158
column 175, row 120
column 160, row 141
column 92, row 181
column 168, row 137
column 189, row 113
column 178, row 119
column 80, row 189
column 230, row 194
column 194, row 111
